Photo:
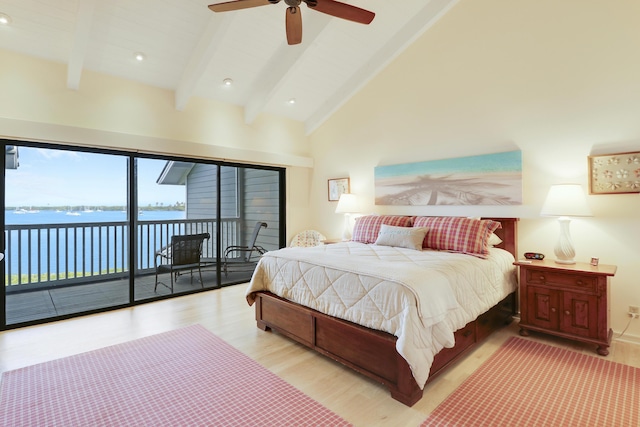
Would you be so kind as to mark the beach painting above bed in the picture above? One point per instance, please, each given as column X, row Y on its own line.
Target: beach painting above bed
column 490, row 179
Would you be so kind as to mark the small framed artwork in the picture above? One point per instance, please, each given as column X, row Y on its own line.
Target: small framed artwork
column 614, row 173
column 337, row 187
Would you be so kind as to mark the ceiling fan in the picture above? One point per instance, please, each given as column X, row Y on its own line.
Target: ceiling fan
column 293, row 18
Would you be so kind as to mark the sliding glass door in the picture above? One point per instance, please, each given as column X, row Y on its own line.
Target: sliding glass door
column 87, row 230
column 176, row 207
column 65, row 233
column 251, row 215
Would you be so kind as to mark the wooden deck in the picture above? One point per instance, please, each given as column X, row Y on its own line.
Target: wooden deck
column 46, row 304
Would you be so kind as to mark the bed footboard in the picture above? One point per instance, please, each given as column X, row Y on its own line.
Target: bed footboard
column 370, row 352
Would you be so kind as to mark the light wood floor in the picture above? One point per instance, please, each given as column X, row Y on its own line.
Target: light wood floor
column 226, row 313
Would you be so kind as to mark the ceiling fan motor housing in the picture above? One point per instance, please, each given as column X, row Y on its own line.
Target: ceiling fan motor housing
column 293, row 18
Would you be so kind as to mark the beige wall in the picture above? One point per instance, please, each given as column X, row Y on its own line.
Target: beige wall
column 110, row 112
column 557, row 80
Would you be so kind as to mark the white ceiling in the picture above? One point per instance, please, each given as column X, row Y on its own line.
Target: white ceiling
column 191, row 50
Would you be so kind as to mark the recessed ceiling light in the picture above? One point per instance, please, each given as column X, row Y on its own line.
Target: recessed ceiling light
column 139, row 56
column 5, row 19
column 227, row 81
column 292, row 101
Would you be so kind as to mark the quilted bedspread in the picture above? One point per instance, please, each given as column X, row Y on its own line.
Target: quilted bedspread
column 421, row 297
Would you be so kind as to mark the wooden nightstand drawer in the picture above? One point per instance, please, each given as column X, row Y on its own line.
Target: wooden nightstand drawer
column 562, row 280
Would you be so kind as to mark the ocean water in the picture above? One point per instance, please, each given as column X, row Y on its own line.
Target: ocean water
column 29, row 217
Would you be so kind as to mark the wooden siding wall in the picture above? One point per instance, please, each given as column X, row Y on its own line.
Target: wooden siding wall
column 261, row 203
column 201, row 192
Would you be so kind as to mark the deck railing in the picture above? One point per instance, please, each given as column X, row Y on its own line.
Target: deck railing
column 50, row 255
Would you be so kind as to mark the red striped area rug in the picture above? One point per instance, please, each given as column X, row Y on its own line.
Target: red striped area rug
column 526, row 383
column 185, row 377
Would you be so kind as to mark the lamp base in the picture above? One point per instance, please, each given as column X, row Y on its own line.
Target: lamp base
column 563, row 261
column 564, row 250
column 346, row 232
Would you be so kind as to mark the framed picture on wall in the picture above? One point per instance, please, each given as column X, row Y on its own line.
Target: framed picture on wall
column 337, row 187
column 614, row 173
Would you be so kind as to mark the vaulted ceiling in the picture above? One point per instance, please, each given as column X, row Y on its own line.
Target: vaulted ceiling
column 191, row 50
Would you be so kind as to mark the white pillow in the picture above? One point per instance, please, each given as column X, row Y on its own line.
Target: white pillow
column 494, row 240
column 402, row 237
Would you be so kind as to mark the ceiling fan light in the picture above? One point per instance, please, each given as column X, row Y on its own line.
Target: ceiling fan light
column 139, row 56
column 227, row 81
column 292, row 101
column 5, row 19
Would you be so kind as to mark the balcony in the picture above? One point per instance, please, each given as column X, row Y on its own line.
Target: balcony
column 55, row 270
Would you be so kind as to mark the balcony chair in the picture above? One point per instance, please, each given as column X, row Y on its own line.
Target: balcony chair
column 243, row 258
column 182, row 254
column 307, row 239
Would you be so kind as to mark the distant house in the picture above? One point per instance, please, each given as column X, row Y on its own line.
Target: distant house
column 11, row 157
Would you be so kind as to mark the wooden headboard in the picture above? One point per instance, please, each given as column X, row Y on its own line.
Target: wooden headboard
column 508, row 233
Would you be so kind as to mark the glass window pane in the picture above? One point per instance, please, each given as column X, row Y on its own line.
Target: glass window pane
column 66, row 233
column 177, row 202
column 250, row 217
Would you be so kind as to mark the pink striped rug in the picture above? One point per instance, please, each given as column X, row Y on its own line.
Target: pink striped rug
column 185, row 377
column 526, row 383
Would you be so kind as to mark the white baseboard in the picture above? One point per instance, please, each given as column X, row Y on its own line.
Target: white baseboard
column 633, row 339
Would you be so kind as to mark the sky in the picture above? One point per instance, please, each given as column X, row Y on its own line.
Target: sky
column 48, row 177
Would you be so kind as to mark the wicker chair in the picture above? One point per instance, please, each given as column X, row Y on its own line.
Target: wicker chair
column 307, row 239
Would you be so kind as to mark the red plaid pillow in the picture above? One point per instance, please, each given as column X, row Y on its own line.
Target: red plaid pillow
column 456, row 234
column 367, row 228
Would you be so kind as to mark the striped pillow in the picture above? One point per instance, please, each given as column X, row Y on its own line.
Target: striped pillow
column 457, row 234
column 367, row 228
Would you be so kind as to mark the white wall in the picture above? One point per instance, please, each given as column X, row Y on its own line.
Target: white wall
column 557, row 80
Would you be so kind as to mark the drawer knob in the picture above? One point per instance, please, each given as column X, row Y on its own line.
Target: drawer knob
column 567, row 312
column 553, row 309
column 579, row 282
column 542, row 279
column 467, row 333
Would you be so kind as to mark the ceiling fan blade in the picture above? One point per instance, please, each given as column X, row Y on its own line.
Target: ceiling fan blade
column 237, row 5
column 341, row 10
column 294, row 25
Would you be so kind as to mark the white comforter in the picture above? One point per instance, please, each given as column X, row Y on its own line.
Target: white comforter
column 421, row 297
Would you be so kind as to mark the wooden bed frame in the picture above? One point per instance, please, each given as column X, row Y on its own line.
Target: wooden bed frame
column 371, row 352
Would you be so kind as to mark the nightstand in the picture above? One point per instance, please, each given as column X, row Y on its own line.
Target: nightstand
column 567, row 300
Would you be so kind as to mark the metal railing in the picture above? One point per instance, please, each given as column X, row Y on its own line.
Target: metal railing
column 49, row 255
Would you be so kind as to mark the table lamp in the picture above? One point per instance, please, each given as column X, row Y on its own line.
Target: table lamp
column 347, row 204
column 564, row 201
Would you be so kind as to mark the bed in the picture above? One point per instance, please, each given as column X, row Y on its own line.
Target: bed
column 399, row 303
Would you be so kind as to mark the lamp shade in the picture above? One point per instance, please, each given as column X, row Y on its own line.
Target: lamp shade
column 348, row 203
column 565, row 200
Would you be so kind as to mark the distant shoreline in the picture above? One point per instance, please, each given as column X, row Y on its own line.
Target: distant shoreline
column 81, row 208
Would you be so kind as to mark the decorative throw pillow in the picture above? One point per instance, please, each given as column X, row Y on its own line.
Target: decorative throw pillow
column 457, row 234
column 402, row 237
column 367, row 228
column 493, row 239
